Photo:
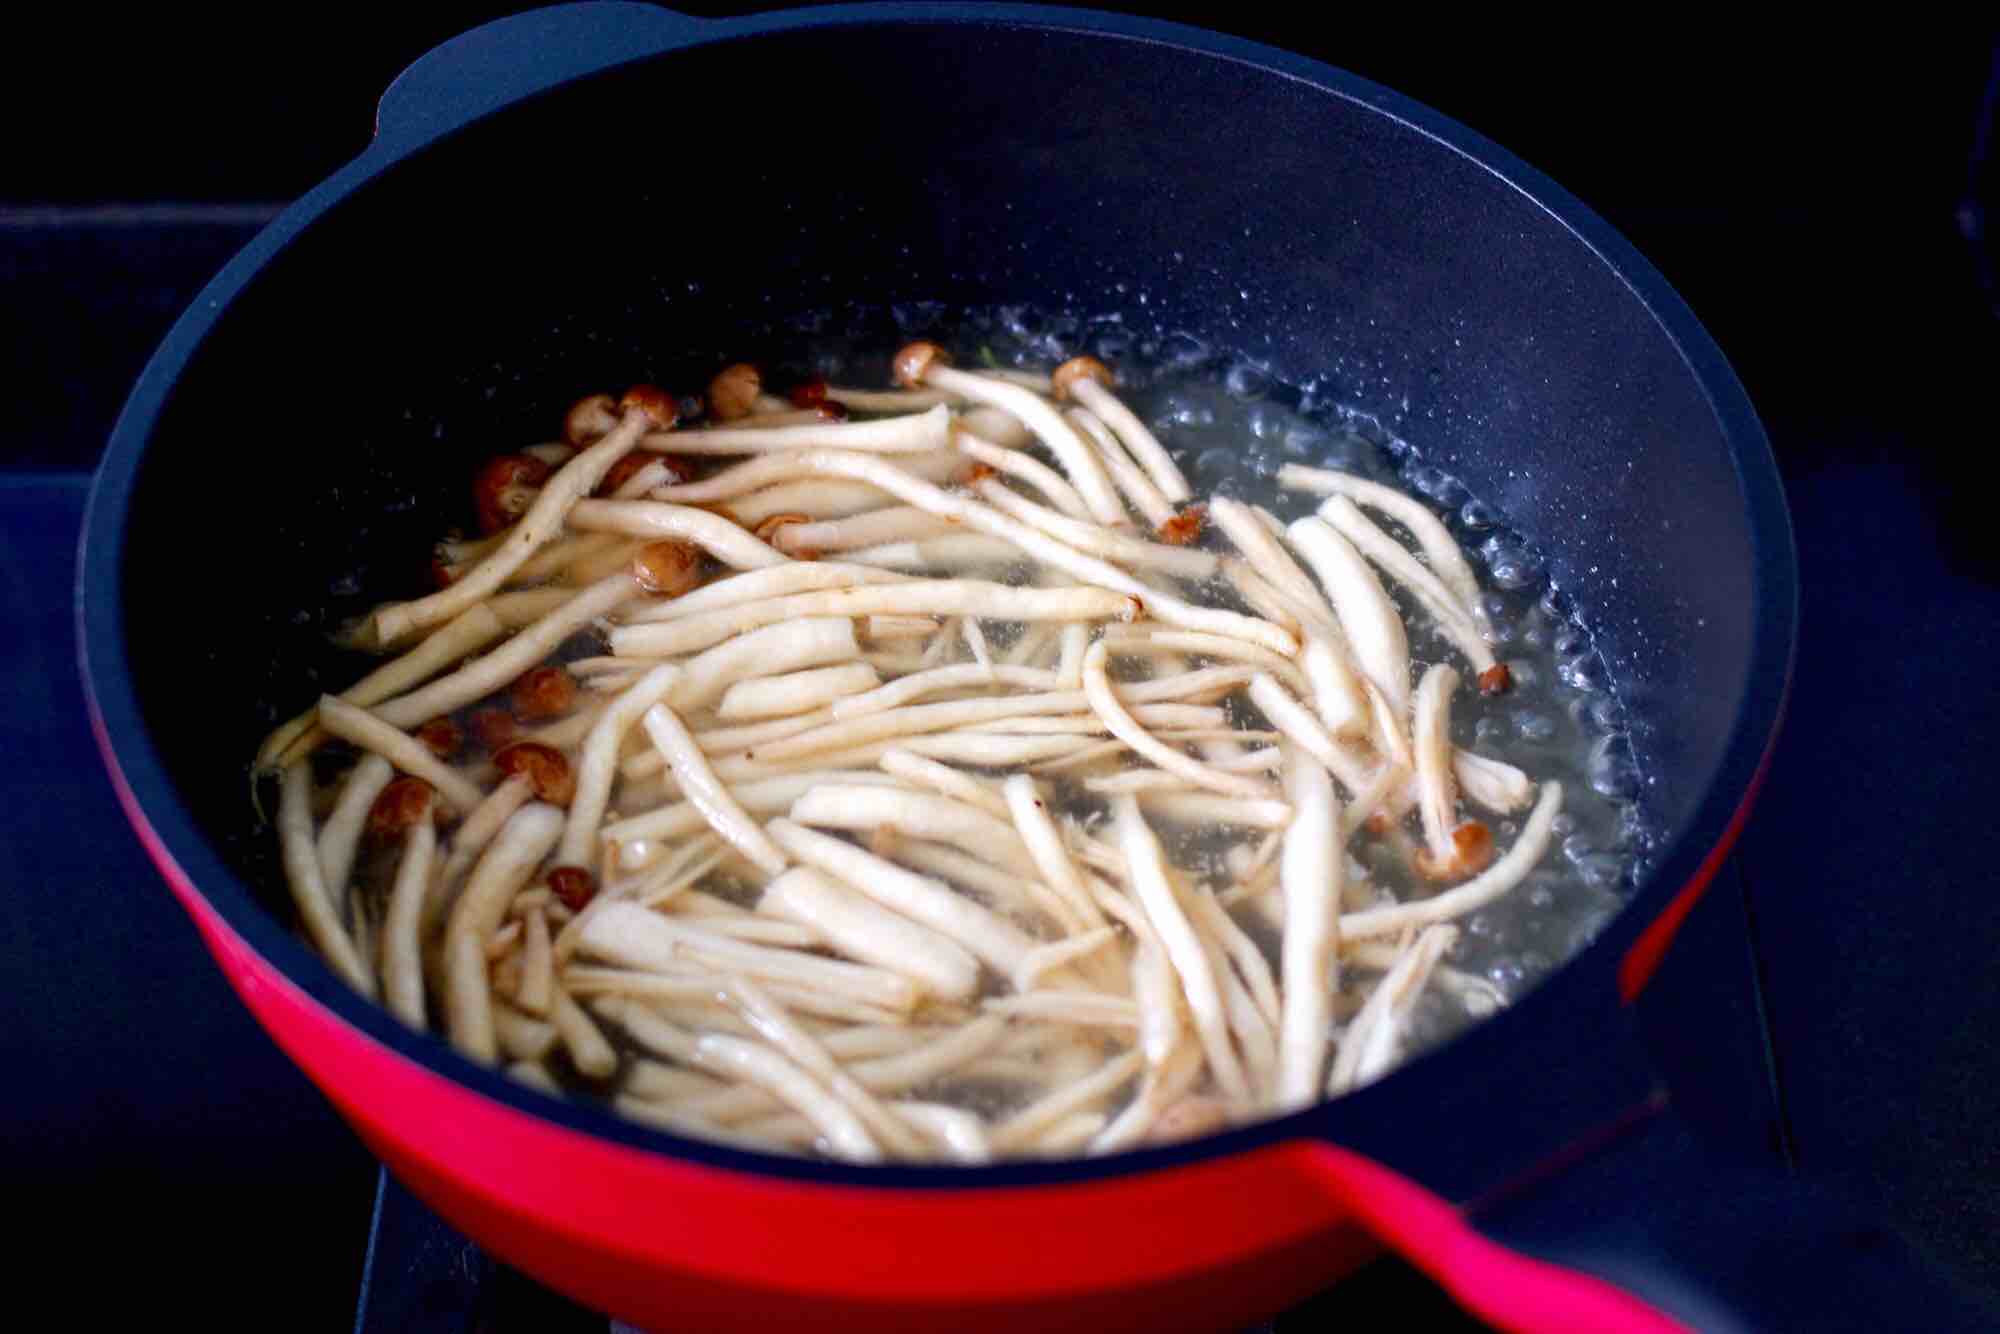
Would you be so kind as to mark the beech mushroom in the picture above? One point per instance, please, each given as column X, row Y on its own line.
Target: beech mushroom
column 925, row 363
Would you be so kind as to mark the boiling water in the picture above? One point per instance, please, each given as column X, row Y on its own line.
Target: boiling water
column 1231, row 424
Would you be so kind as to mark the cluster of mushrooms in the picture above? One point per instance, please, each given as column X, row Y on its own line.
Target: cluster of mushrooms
column 849, row 831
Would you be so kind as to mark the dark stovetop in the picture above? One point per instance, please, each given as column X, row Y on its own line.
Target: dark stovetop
column 1830, row 1003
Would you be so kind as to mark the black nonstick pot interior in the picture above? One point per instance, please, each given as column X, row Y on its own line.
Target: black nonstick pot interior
column 653, row 223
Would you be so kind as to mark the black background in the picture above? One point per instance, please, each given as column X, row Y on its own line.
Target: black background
column 1803, row 187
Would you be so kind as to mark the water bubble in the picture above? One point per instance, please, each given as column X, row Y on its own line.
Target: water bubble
column 1570, row 640
column 1534, row 727
column 1267, row 422
column 1508, row 976
column 1584, row 671
column 1541, row 897
column 1477, row 515
column 1111, row 345
column 1436, row 483
column 1611, row 768
column 1489, row 729
column 1304, row 441
column 1577, row 846
column 1555, row 603
column 1185, row 412
column 1247, row 380
column 1180, row 352
column 1563, row 825
column 1601, row 870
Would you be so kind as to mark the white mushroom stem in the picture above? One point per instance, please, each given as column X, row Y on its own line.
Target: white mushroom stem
column 911, row 721
column 1303, row 729
column 997, row 425
column 1367, row 616
column 537, row 990
column 755, row 479
column 911, row 434
column 1374, row 1036
column 474, row 833
column 522, row 607
column 935, row 597
column 1027, row 468
column 960, row 1133
column 929, row 902
column 589, row 1052
column 309, row 891
column 1453, row 619
column 698, row 781
column 757, row 585
column 636, row 937
column 714, row 534
column 503, row 665
column 1494, row 784
column 467, row 633
column 402, row 926
column 951, row 553
column 859, row 927
column 1145, row 447
column 1203, row 809
column 1246, row 529
column 1119, row 721
column 597, row 766
column 765, row 796
column 521, row 1037
column 502, row 870
column 892, row 523
column 1026, row 1125
column 1084, row 1009
column 887, row 400
column 1311, row 869
column 369, row 732
column 1057, row 954
column 543, row 521
column 796, row 692
column 1437, row 797
column 888, row 629
column 1503, row 875
column 1163, row 1086
column 805, row 641
column 975, row 644
column 1069, row 665
column 1030, row 814
column 1130, row 479
column 945, row 780
column 1121, row 547
column 807, row 496
column 1249, row 963
column 783, row 1033
column 846, row 1137
column 1155, row 641
column 1147, row 874
column 340, row 836
column 1040, row 546
column 1440, row 549
column 906, row 689
column 695, row 985
column 1077, row 458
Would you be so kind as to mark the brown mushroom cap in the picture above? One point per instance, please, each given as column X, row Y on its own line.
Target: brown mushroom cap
column 1471, row 850
column 915, row 361
column 574, row 886
column 655, row 402
column 399, row 806
column 1076, row 368
column 543, row 766
column 1183, row 528
column 494, row 729
column 503, row 489
column 668, row 568
column 733, row 392
column 809, row 393
column 545, row 692
column 1495, row 680
column 589, row 418
column 441, row 737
